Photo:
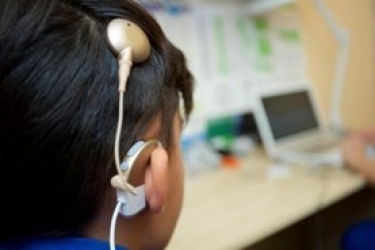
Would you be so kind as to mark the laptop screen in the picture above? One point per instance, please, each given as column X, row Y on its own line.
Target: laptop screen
column 289, row 113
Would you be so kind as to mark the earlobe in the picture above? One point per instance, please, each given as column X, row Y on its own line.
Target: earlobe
column 156, row 180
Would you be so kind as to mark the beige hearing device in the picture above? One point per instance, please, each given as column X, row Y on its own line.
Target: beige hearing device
column 130, row 44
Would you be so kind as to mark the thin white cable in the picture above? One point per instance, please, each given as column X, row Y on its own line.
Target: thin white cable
column 118, row 132
column 112, row 231
column 123, row 76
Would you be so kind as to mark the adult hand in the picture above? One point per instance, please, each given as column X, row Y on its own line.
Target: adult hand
column 354, row 153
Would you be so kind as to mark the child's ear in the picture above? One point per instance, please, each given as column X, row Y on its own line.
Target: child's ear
column 156, row 180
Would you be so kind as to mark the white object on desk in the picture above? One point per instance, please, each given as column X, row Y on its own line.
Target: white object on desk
column 279, row 171
column 332, row 158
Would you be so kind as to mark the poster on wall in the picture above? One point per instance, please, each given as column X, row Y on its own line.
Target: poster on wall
column 230, row 52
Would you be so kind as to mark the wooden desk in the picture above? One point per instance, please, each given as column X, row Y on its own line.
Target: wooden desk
column 232, row 209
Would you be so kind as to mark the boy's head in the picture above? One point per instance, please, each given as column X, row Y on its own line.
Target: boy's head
column 59, row 111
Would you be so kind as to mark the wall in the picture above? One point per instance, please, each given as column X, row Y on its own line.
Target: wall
column 358, row 107
column 358, row 104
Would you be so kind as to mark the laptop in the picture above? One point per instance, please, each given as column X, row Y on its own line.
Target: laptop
column 291, row 126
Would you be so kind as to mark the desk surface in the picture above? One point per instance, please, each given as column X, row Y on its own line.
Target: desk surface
column 232, row 209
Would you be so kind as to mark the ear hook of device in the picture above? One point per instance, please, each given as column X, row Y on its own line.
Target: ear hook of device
column 130, row 44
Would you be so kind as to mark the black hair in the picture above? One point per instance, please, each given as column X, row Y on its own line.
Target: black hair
column 59, row 108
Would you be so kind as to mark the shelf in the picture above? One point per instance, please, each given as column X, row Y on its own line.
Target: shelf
column 255, row 7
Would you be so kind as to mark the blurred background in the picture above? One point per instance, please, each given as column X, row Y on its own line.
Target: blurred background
column 237, row 197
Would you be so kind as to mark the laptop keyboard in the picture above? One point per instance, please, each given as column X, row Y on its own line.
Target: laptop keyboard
column 319, row 146
column 320, row 152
